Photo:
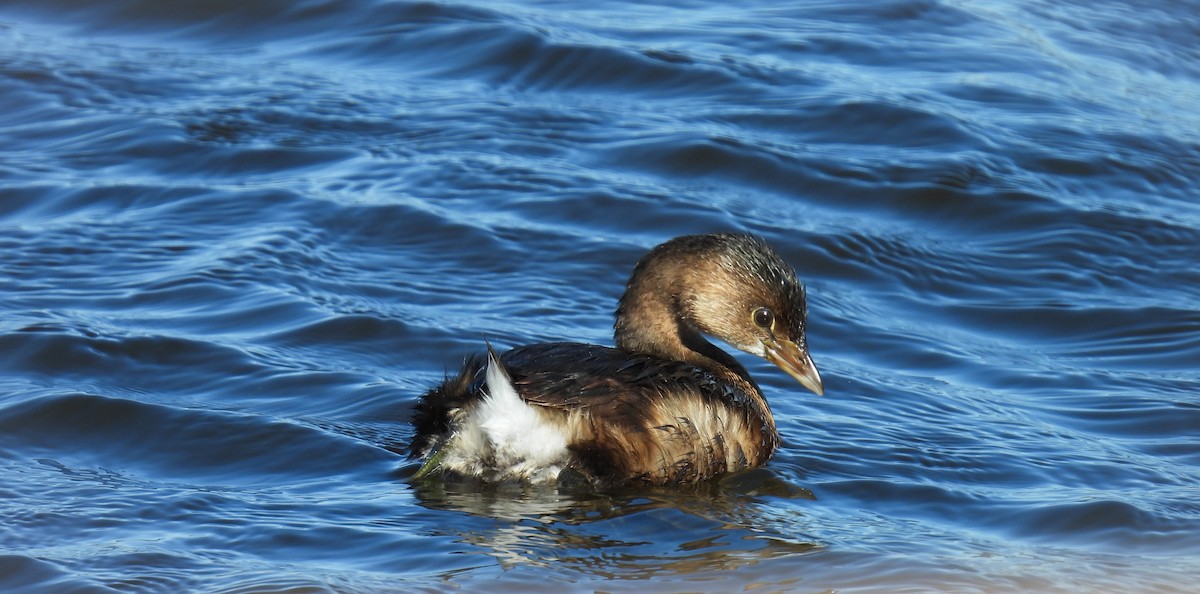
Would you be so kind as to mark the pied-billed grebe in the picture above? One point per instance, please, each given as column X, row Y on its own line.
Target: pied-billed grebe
column 663, row 407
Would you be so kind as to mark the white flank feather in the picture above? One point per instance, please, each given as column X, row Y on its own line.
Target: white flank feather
column 509, row 435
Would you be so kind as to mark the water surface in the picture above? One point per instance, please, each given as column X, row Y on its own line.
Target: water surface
column 238, row 239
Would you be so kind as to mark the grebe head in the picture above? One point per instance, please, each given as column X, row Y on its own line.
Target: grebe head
column 732, row 287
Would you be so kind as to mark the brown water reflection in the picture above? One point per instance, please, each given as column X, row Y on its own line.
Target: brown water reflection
column 717, row 526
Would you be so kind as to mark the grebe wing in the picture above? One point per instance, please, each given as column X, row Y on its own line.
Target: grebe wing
column 571, row 376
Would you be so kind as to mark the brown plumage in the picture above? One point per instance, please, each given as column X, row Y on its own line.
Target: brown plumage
column 664, row 407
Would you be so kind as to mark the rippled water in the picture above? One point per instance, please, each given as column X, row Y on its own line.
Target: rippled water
column 239, row 239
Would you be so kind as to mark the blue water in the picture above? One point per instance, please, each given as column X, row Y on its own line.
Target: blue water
column 238, row 239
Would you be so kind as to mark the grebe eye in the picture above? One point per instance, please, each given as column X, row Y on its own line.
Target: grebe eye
column 763, row 318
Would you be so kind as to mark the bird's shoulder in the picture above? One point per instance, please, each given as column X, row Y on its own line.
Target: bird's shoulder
column 568, row 375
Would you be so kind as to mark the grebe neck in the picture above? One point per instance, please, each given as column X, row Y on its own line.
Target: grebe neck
column 655, row 321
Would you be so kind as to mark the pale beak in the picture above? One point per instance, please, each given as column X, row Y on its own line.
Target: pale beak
column 796, row 362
